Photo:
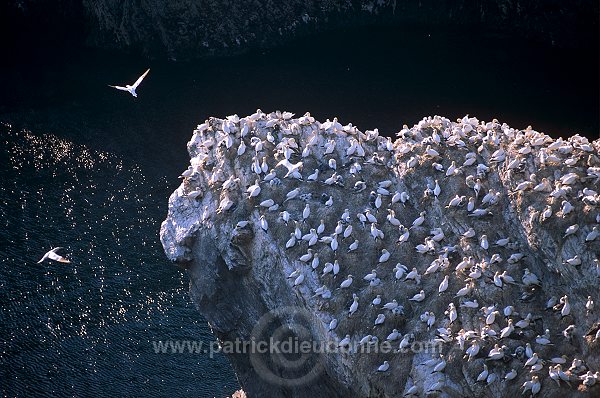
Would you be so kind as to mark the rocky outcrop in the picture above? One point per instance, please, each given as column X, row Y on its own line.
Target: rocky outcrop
column 192, row 28
column 459, row 260
column 184, row 29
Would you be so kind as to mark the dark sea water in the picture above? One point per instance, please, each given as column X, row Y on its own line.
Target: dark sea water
column 89, row 168
column 86, row 328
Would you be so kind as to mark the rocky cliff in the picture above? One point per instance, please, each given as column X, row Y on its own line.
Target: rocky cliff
column 191, row 28
column 460, row 259
column 184, row 29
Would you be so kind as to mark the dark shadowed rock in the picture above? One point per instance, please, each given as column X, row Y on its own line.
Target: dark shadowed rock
column 185, row 29
column 192, row 28
column 479, row 218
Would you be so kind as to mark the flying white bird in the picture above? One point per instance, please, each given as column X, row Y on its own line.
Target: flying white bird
column 53, row 256
column 131, row 88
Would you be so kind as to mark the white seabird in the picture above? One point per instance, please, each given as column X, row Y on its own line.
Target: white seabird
column 333, row 324
column 131, row 88
column 354, row 305
column 383, row 367
column 385, row 255
column 335, row 267
column 483, row 242
column 391, row 217
column 391, row 305
column 419, row 220
column 345, row 341
column 593, row 234
column 452, row 313
column 369, row 277
column 348, row 231
column 507, row 330
column 299, row 280
column 437, row 189
column 484, row 374
column 285, row 216
column 321, row 227
column 496, row 353
column 400, row 270
column 345, row 216
column 405, row 341
column 315, row 261
column 571, row 230
column 267, row 203
column 293, row 169
column 194, row 194
column 418, row 297
column 306, row 257
column 529, row 278
column 470, row 304
column 334, row 243
column 306, row 212
column 473, row 350
column 566, row 309
column 52, row 255
column 263, row 223
column 292, row 194
column 379, row 320
column 443, row 285
column 346, row 283
column 511, row 375
column 395, row 335
column 254, row 190
column 440, row 366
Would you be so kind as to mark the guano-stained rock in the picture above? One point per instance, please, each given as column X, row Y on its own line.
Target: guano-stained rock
column 477, row 255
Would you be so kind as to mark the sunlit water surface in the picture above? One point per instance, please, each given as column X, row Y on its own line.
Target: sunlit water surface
column 86, row 328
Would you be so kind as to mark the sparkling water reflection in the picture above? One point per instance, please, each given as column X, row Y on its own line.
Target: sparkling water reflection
column 86, row 328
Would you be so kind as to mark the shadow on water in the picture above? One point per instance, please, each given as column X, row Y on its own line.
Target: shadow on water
column 95, row 172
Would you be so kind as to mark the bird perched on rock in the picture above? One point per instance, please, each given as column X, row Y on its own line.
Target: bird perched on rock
column 465, row 246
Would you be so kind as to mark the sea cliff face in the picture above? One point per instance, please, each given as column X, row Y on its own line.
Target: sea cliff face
column 193, row 28
column 187, row 29
column 460, row 259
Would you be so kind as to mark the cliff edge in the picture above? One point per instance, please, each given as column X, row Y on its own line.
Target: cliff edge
column 459, row 260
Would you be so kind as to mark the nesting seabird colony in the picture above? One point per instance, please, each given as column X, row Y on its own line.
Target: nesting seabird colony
column 464, row 233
